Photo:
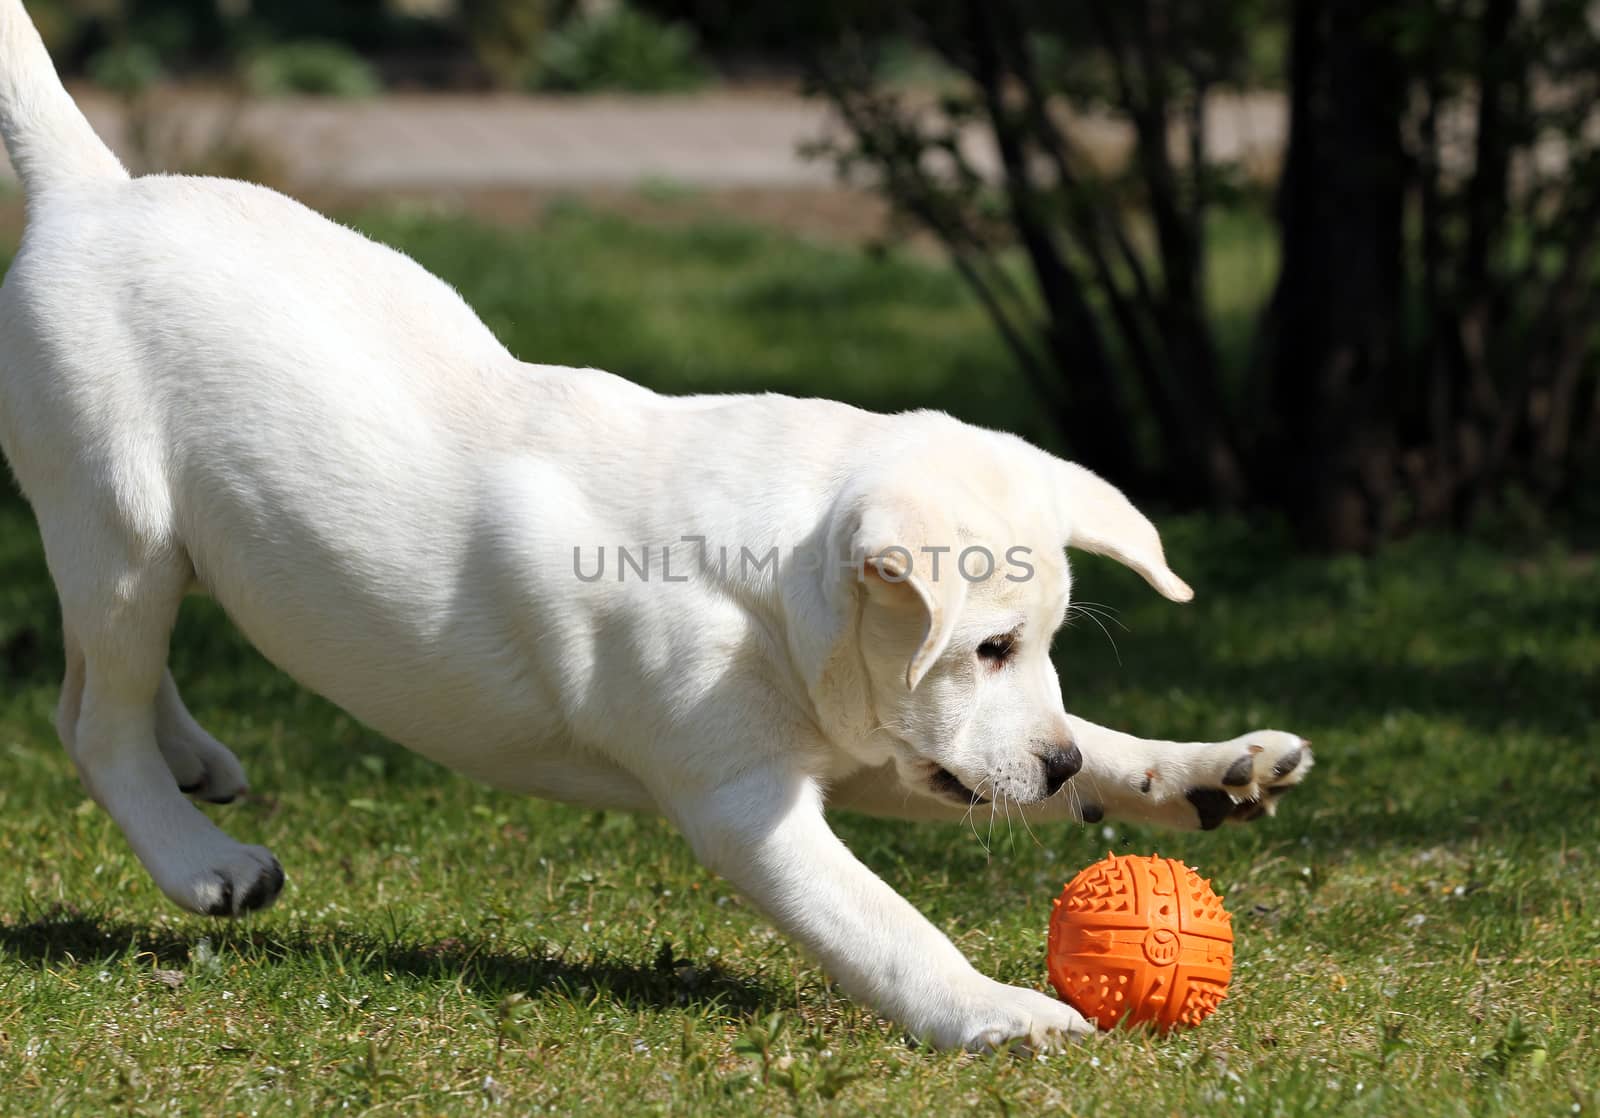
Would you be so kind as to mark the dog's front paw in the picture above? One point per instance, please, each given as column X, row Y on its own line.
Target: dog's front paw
column 1243, row 779
column 235, row 881
column 995, row 1015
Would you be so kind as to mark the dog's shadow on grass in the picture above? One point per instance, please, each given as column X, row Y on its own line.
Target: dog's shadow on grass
column 44, row 940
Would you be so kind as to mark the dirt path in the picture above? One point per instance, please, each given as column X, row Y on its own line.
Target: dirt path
column 727, row 152
column 744, row 139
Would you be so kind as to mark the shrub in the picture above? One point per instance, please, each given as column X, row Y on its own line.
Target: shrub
column 505, row 36
column 126, row 69
column 621, row 49
column 313, row 66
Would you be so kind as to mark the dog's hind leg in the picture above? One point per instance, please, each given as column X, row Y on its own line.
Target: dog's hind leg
column 202, row 765
column 119, row 598
column 70, row 703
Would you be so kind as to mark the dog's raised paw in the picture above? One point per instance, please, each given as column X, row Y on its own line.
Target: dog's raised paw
column 1253, row 773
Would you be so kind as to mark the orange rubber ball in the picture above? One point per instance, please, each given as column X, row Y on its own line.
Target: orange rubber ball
column 1140, row 941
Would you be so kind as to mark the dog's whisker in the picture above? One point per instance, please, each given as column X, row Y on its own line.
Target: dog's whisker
column 972, row 825
column 1023, row 812
column 1114, row 650
column 1099, row 792
column 968, row 819
column 988, row 846
column 1100, row 609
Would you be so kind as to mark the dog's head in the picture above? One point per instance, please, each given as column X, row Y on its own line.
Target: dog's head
column 957, row 584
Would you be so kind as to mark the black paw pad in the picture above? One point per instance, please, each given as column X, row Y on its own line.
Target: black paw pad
column 1092, row 813
column 1288, row 764
column 1213, row 806
column 228, row 799
column 1240, row 773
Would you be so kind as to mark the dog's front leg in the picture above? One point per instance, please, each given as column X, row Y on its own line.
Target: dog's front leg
column 1186, row 785
column 765, row 832
column 1182, row 784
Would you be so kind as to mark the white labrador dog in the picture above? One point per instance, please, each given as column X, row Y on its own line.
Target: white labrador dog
column 205, row 386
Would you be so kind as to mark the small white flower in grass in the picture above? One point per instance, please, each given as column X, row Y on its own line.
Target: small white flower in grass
column 492, row 1088
column 322, row 1001
column 1416, row 920
column 1108, row 833
column 1094, row 1061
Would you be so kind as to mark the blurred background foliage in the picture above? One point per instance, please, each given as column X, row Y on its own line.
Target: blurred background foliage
column 1426, row 357
column 355, row 47
column 1429, row 350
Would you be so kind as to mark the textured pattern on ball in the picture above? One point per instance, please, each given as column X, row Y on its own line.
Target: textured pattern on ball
column 1143, row 940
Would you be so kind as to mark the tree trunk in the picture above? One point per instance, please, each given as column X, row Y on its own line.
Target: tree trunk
column 1333, row 331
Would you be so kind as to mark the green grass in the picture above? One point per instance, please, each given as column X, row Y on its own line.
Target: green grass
column 1418, row 931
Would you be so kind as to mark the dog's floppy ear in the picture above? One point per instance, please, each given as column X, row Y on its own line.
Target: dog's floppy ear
column 1101, row 520
column 891, row 540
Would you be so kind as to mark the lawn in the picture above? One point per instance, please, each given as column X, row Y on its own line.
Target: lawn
column 1418, row 930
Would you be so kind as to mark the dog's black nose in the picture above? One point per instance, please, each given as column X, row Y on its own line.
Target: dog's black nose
column 1060, row 766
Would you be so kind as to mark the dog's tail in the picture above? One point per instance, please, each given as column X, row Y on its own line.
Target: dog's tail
column 50, row 142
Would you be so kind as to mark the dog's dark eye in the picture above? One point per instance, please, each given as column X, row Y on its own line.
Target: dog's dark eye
column 997, row 650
